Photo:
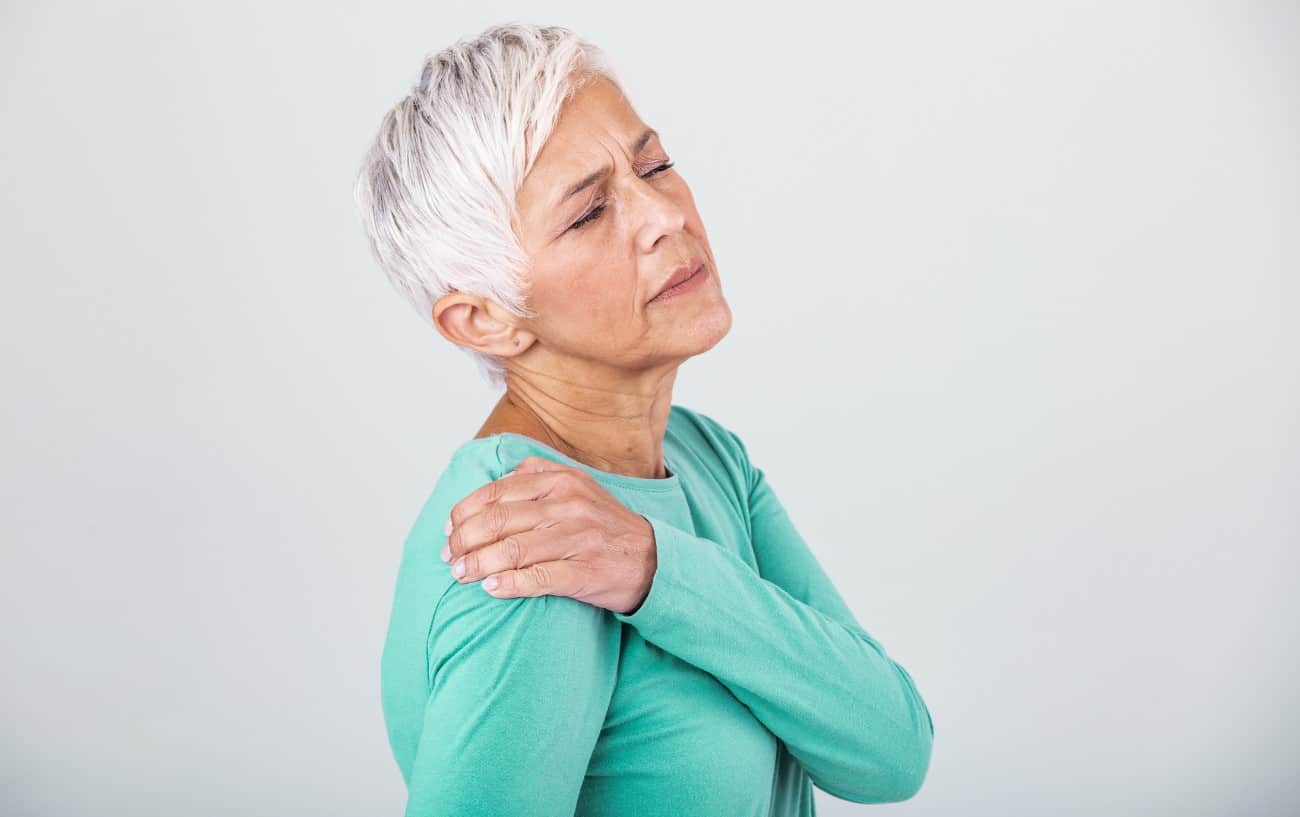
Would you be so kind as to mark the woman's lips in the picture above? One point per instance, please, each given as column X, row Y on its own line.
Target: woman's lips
column 685, row 286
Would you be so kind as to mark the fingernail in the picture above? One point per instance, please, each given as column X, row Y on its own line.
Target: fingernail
column 446, row 527
column 446, row 553
column 458, row 569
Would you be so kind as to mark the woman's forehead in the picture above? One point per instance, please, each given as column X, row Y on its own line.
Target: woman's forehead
column 578, row 154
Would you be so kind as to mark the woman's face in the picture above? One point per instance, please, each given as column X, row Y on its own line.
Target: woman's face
column 602, row 253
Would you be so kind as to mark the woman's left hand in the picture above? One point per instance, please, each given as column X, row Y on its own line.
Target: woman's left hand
column 551, row 529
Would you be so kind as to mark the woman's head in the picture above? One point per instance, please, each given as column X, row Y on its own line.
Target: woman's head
column 463, row 197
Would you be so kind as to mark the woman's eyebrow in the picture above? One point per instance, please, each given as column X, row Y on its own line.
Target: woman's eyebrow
column 592, row 178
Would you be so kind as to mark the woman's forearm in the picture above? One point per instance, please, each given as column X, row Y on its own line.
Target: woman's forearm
column 849, row 713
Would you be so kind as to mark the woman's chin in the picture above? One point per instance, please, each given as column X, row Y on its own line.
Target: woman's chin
column 704, row 330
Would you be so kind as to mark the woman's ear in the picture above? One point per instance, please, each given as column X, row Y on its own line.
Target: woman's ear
column 472, row 321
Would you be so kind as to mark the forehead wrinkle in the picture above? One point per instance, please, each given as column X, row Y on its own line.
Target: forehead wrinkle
column 591, row 178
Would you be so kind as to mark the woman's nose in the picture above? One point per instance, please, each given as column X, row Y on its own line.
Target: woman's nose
column 658, row 212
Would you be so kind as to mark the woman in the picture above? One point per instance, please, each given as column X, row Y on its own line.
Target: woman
column 623, row 620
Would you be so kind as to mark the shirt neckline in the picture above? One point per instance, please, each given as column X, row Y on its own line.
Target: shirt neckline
column 672, row 482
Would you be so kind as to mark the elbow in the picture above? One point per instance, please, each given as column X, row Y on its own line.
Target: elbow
column 891, row 754
column 914, row 762
column 912, row 749
column 901, row 780
column 909, row 778
column 908, row 772
column 898, row 770
column 882, row 786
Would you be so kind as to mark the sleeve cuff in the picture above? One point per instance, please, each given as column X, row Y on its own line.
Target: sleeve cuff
column 660, row 605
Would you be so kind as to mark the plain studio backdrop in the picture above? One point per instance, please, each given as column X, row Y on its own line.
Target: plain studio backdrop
column 1015, row 295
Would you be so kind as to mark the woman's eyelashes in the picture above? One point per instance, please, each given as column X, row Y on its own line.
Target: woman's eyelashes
column 595, row 212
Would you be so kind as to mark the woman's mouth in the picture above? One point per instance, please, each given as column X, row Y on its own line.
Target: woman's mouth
column 691, row 283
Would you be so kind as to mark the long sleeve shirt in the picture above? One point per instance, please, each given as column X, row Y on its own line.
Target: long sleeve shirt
column 741, row 681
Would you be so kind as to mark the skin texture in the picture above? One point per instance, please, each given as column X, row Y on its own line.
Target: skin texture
column 592, row 374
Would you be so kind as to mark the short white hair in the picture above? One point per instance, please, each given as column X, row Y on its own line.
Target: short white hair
column 436, row 191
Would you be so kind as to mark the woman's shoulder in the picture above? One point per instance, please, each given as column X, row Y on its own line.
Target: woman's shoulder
column 470, row 465
column 714, row 448
column 694, row 427
column 426, row 590
column 477, row 455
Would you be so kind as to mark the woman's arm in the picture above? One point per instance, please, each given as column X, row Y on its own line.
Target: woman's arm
column 789, row 648
column 519, row 688
column 520, row 691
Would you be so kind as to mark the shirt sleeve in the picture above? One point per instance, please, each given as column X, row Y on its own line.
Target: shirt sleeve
column 789, row 648
column 519, row 689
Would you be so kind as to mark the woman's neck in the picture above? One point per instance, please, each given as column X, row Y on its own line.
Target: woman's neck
column 623, row 434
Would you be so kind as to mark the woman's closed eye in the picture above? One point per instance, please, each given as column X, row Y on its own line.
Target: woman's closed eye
column 595, row 212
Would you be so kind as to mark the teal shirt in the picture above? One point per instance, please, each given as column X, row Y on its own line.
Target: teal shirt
column 741, row 681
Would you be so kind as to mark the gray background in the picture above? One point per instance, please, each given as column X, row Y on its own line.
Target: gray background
column 1014, row 290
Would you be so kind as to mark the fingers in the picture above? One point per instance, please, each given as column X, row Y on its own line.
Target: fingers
column 560, row 578
column 501, row 520
column 502, row 530
column 532, row 478
column 513, row 552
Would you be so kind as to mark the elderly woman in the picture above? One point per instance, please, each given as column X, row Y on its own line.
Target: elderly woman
column 602, row 607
